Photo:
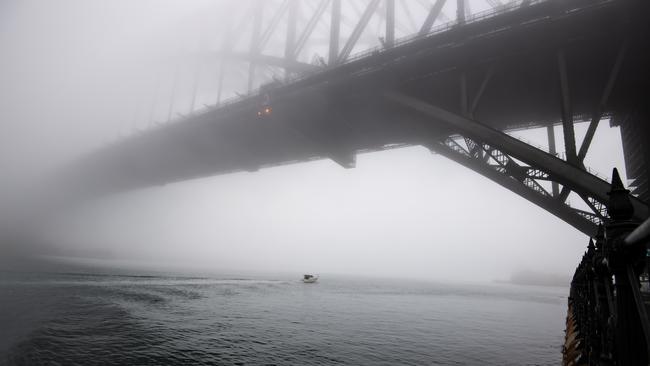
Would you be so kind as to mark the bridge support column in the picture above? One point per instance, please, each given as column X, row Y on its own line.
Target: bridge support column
column 567, row 114
column 258, row 12
column 172, row 95
column 335, row 27
column 602, row 103
column 290, row 43
column 195, row 86
column 358, row 30
column 550, row 131
column 390, row 23
column 464, row 98
column 460, row 12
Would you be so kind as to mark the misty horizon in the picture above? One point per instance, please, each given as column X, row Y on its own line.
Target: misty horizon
column 403, row 211
column 302, row 182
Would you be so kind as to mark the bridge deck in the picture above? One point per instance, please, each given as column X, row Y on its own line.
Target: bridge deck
column 338, row 112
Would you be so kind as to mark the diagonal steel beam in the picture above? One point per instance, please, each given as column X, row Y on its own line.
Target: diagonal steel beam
column 268, row 32
column 464, row 98
column 567, row 114
column 479, row 93
column 598, row 113
column 639, row 235
column 426, row 4
column 580, row 220
column 568, row 175
column 311, row 25
column 435, row 11
column 564, row 194
column 358, row 29
column 409, row 16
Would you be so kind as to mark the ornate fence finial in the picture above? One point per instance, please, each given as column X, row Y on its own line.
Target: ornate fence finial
column 620, row 206
column 591, row 248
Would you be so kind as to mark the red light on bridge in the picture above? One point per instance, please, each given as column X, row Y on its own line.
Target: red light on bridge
column 265, row 112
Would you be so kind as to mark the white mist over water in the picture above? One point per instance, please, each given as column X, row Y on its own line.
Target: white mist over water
column 400, row 213
column 78, row 73
column 115, row 319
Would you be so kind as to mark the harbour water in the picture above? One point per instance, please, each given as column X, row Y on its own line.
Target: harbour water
column 99, row 319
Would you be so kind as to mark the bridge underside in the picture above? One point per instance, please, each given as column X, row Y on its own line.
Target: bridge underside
column 537, row 66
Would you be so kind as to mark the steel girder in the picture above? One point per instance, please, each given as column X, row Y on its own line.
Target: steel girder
column 435, row 11
column 505, row 160
column 358, row 29
column 268, row 60
column 519, row 166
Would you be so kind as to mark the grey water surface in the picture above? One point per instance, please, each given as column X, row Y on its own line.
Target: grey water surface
column 90, row 319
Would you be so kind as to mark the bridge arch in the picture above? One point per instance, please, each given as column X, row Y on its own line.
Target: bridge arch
column 352, row 103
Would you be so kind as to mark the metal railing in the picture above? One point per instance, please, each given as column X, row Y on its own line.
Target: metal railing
column 441, row 28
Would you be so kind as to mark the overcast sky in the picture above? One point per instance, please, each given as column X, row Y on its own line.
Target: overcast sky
column 76, row 74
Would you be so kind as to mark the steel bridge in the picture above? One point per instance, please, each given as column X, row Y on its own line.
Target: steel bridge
column 457, row 85
column 454, row 87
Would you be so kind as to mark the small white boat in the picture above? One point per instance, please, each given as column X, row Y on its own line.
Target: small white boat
column 309, row 278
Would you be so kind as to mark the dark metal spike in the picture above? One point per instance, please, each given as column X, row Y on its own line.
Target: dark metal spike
column 619, row 207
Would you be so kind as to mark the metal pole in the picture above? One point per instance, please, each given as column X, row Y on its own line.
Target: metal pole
column 335, row 28
column 602, row 103
column 195, row 86
column 567, row 114
column 464, row 103
column 390, row 23
column 460, row 12
column 550, row 131
column 358, row 30
column 290, row 43
column 258, row 11
column 154, row 100
column 222, row 72
column 173, row 93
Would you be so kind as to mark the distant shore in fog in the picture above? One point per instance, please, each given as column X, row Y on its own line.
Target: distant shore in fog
column 532, row 278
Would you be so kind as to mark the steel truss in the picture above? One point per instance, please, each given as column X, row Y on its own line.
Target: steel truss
column 290, row 11
column 520, row 167
column 511, row 163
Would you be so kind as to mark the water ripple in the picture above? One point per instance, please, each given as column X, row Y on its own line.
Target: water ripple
column 95, row 320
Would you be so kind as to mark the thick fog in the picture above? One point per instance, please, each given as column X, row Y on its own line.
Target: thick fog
column 76, row 75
